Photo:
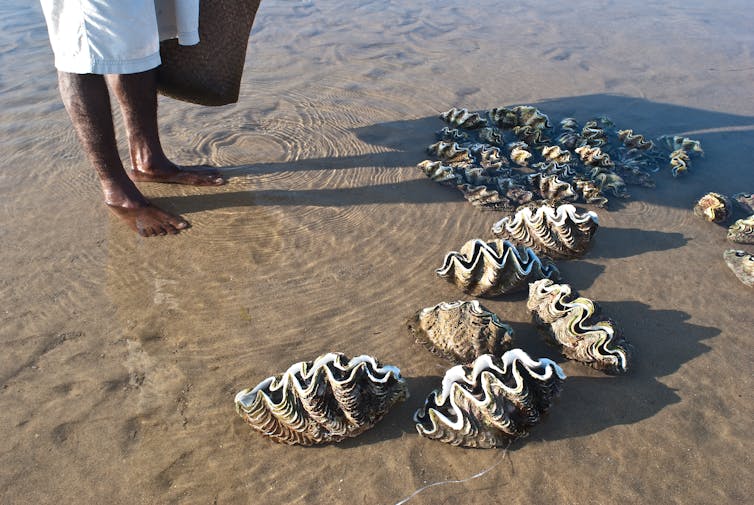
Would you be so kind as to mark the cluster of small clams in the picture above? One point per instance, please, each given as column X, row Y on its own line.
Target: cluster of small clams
column 719, row 209
column 510, row 156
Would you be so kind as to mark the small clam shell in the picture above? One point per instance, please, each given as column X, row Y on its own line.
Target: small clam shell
column 556, row 154
column 713, row 207
column 450, row 152
column 590, row 192
column 491, row 401
column 742, row 264
column 462, row 118
column 519, row 153
column 460, row 331
column 742, row 231
column 677, row 142
column 485, row 198
column 452, row 135
column 679, row 162
column 634, row 141
column 595, row 157
column 552, row 189
column 438, row 172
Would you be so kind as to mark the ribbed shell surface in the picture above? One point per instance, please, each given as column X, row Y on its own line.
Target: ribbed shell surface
column 321, row 401
column 569, row 319
column 490, row 401
column 555, row 232
column 493, row 268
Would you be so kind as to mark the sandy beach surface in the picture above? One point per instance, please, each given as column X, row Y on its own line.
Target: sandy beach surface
column 121, row 355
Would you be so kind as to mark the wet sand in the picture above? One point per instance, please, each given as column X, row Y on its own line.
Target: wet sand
column 121, row 355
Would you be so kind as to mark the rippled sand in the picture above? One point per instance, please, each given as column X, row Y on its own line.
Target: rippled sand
column 121, row 355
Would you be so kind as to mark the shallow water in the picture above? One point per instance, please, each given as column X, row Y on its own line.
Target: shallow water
column 122, row 354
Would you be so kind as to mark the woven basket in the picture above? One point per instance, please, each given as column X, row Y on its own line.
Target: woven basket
column 209, row 73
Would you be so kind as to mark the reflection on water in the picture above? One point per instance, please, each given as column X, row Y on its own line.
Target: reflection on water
column 122, row 354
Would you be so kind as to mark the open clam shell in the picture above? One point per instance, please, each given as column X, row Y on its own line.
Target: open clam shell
column 460, row 331
column 321, row 401
column 713, row 207
column 570, row 321
column 462, row 118
column 742, row 231
column 493, row 268
column 490, row 401
column 557, row 232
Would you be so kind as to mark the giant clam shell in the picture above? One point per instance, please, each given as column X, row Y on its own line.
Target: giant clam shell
column 570, row 321
column 555, row 232
column 713, row 207
column 491, row 401
column 460, row 331
column 742, row 264
column 321, row 401
column 494, row 268
column 742, row 231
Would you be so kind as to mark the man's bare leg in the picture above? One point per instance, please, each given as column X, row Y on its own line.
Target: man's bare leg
column 88, row 104
column 137, row 96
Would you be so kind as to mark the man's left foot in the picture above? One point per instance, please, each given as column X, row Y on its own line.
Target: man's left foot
column 173, row 174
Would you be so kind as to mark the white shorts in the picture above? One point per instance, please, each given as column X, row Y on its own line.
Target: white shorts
column 117, row 37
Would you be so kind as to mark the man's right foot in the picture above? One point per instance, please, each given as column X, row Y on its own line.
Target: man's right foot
column 148, row 220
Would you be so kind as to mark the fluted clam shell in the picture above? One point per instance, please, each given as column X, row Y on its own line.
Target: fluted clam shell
column 634, row 141
column 594, row 134
column 452, row 135
column 485, row 198
column 676, row 142
column 713, row 207
column 321, row 401
column 552, row 189
column 556, row 154
column 679, row 162
column 519, row 153
column 609, row 181
column 555, row 232
column 570, row 320
column 491, row 401
column 742, row 264
column 594, row 156
column 462, row 118
column 742, row 231
column 491, row 135
column 590, row 192
column 460, row 331
column 493, row 268
column 439, row 172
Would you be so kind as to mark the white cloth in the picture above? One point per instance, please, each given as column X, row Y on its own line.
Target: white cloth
column 117, row 36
